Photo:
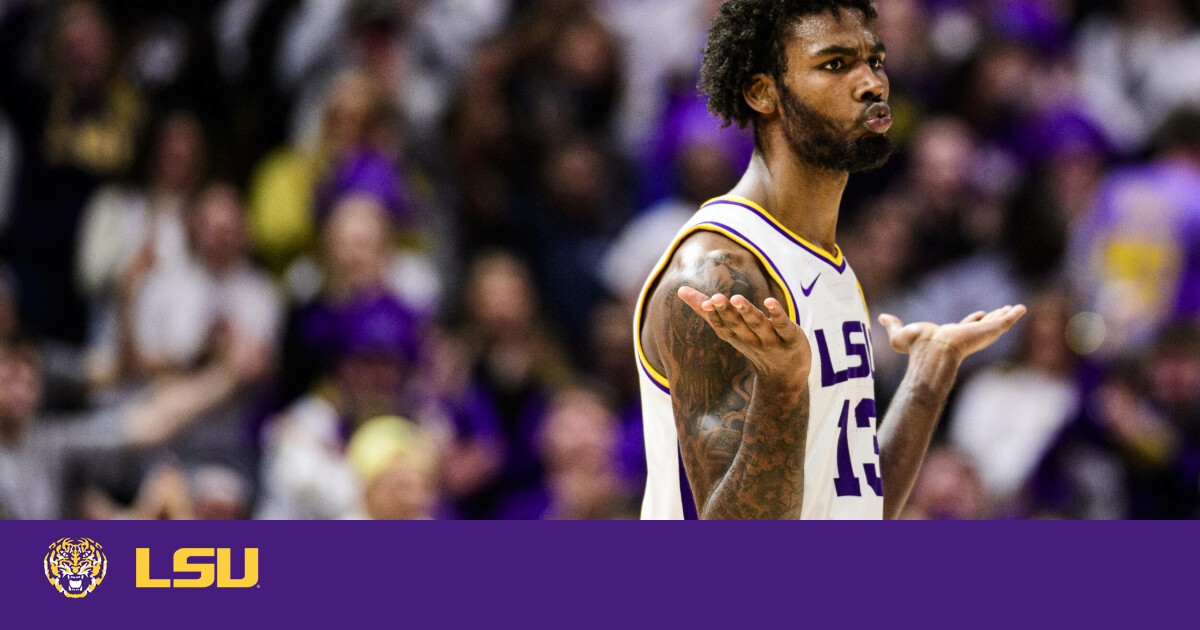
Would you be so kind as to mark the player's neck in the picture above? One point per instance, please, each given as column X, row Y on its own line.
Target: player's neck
column 806, row 199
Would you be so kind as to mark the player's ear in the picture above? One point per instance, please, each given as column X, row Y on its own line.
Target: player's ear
column 762, row 95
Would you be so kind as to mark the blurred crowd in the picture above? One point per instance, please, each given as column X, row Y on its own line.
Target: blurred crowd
column 329, row 259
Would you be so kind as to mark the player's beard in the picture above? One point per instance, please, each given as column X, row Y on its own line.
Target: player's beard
column 818, row 140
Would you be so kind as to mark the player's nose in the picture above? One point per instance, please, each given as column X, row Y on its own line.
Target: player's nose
column 870, row 86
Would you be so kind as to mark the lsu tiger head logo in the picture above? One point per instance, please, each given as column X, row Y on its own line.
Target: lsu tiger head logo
column 75, row 566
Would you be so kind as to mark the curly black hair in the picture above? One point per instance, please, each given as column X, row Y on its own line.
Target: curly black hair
column 748, row 38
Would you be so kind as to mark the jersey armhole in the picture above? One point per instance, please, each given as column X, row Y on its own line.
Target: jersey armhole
column 709, row 226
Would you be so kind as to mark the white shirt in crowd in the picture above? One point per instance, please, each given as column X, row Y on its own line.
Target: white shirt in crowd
column 1005, row 422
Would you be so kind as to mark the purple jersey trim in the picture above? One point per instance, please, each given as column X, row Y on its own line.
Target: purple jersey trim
column 666, row 390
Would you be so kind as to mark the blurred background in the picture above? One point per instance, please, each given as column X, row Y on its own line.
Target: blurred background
column 326, row 259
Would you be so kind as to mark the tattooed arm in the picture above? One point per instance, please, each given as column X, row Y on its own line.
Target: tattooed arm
column 739, row 380
column 935, row 352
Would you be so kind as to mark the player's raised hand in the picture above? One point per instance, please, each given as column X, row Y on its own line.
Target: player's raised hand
column 974, row 333
column 773, row 344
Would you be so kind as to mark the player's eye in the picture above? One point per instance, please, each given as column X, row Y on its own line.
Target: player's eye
column 836, row 64
column 876, row 63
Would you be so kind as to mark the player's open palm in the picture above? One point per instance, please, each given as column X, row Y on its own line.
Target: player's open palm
column 773, row 344
column 974, row 333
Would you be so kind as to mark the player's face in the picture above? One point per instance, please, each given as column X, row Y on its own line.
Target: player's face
column 834, row 93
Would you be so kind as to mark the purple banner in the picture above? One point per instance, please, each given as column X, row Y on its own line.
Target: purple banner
column 610, row 575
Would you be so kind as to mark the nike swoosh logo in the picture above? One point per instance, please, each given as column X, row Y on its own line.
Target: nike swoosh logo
column 809, row 289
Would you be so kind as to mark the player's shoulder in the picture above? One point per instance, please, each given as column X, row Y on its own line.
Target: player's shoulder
column 702, row 245
column 712, row 261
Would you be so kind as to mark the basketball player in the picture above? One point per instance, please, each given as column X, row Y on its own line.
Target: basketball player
column 752, row 333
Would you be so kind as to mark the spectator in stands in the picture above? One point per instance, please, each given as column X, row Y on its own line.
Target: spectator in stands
column 514, row 357
column 171, row 311
column 1125, row 56
column 566, row 75
column 578, row 444
column 305, row 473
column 36, row 451
column 122, row 223
column 168, row 492
column 580, row 213
column 611, row 337
column 397, row 465
column 79, row 123
column 283, row 188
column 947, row 489
column 371, row 350
column 357, row 268
column 1135, row 257
column 1006, row 419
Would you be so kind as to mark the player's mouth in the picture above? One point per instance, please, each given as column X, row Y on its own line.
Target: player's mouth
column 879, row 118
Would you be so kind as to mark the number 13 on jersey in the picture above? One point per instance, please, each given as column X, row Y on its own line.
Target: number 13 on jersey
column 847, row 482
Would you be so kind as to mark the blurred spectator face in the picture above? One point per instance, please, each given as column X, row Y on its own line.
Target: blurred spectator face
column 611, row 339
column 180, row 154
column 580, row 433
column 942, row 157
column 500, row 296
column 885, row 241
column 398, row 464
column 1176, row 380
column 1073, row 178
column 20, row 388
column 356, row 244
column 574, row 178
column 482, row 125
column 402, row 492
column 947, row 488
column 83, row 45
column 999, row 84
column 1046, row 333
column 218, row 228
column 379, row 343
column 1175, row 368
column 374, row 27
column 584, row 56
column 353, row 112
column 371, row 383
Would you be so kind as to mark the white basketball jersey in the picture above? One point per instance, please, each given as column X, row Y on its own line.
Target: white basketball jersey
column 841, row 465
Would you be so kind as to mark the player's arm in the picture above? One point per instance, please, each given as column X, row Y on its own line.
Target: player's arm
column 739, row 382
column 935, row 353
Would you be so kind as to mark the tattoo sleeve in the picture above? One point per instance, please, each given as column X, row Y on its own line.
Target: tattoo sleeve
column 742, row 441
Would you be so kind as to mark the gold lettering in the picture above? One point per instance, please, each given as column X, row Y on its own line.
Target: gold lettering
column 182, row 565
column 143, row 572
column 223, row 568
